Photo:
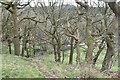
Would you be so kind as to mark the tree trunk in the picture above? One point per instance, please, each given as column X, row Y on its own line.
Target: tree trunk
column 109, row 54
column 1, row 17
column 22, row 54
column 119, row 41
column 116, row 10
column 55, row 52
column 26, row 49
column 101, row 47
column 59, row 51
column 15, row 31
column 55, row 49
column 89, row 52
column 33, row 48
column 71, row 51
column 24, row 41
column 78, row 53
column 9, row 46
column 63, row 56
column 89, row 37
column 97, row 55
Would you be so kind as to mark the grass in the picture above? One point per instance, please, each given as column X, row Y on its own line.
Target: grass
column 16, row 67
column 45, row 67
column 99, row 61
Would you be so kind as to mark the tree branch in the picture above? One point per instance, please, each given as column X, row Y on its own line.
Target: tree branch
column 82, row 4
column 33, row 19
column 21, row 6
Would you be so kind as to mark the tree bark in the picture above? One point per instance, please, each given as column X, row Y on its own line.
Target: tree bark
column 110, row 49
column 77, row 48
column 109, row 53
column 89, row 37
column 54, row 49
column 89, row 52
column 33, row 49
column 71, row 51
column 55, row 52
column 63, row 56
column 24, row 41
column 59, row 51
column 26, row 49
column 9, row 46
column 78, row 53
column 115, row 8
column 119, row 40
column 15, row 30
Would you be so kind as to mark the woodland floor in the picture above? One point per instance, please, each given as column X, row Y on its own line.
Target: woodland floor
column 45, row 67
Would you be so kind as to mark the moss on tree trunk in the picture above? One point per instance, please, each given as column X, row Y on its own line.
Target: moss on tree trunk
column 89, row 53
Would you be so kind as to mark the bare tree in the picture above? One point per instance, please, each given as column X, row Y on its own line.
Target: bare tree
column 89, row 37
column 109, row 39
column 12, row 7
column 54, row 14
column 7, row 29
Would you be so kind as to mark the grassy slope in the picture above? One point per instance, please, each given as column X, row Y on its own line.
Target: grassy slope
column 13, row 66
column 45, row 66
column 19, row 67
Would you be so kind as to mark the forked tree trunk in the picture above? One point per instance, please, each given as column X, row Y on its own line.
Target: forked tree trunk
column 90, row 39
column 109, row 53
column 71, row 51
column 110, row 49
column 15, row 31
column 116, row 10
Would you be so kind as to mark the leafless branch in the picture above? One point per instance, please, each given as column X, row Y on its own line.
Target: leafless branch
column 33, row 19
